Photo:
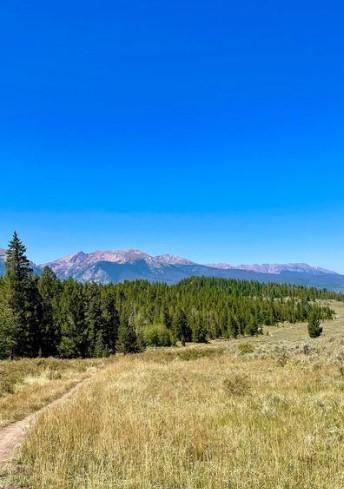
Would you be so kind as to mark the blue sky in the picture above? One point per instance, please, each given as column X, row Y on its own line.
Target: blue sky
column 207, row 129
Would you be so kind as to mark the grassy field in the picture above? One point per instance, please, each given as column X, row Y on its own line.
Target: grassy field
column 264, row 412
column 27, row 385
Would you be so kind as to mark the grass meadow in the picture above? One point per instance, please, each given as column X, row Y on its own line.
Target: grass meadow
column 264, row 412
column 29, row 384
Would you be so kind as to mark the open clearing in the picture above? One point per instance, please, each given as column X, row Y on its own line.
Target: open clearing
column 264, row 412
column 28, row 385
column 11, row 436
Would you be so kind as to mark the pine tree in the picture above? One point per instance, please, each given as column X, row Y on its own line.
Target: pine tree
column 71, row 317
column 314, row 327
column 93, row 317
column 199, row 332
column 110, row 321
column 128, row 340
column 100, row 348
column 49, row 288
column 232, row 326
column 181, row 327
column 7, row 326
column 166, row 318
column 23, row 300
column 251, row 327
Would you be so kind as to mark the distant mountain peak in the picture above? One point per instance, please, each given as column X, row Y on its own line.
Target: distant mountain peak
column 73, row 256
column 132, row 264
column 118, row 256
column 172, row 260
column 287, row 267
column 222, row 266
column 274, row 268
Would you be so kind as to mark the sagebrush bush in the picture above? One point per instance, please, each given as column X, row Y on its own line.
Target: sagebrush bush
column 246, row 348
column 238, row 385
column 282, row 358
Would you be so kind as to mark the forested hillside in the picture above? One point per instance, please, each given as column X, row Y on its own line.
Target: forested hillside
column 44, row 316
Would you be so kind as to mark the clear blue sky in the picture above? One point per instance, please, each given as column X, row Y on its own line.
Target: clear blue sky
column 207, row 129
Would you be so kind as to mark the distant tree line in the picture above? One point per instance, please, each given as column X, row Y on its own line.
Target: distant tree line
column 44, row 316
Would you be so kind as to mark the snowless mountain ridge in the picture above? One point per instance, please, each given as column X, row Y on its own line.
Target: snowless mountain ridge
column 133, row 255
column 119, row 265
column 274, row 268
column 116, row 256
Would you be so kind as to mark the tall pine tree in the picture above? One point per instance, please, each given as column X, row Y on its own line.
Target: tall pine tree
column 181, row 327
column 110, row 320
column 74, row 340
column 7, row 325
column 49, row 288
column 128, row 340
column 23, row 301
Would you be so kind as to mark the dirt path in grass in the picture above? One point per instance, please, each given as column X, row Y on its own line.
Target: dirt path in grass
column 13, row 435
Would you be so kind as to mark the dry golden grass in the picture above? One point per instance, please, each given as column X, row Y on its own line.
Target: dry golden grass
column 27, row 385
column 209, row 417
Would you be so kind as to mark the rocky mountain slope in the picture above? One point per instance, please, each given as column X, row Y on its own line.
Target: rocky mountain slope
column 276, row 268
column 116, row 266
column 119, row 265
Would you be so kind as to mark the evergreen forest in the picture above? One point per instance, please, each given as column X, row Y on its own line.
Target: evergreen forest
column 44, row 316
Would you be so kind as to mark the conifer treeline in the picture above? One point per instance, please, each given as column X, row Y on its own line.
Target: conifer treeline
column 44, row 316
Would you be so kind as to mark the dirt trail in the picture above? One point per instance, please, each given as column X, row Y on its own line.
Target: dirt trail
column 13, row 435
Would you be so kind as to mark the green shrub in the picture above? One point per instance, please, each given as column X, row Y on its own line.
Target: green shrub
column 282, row 358
column 246, row 348
column 237, row 385
column 314, row 325
column 157, row 335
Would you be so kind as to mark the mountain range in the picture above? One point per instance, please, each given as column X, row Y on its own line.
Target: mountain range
column 119, row 265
